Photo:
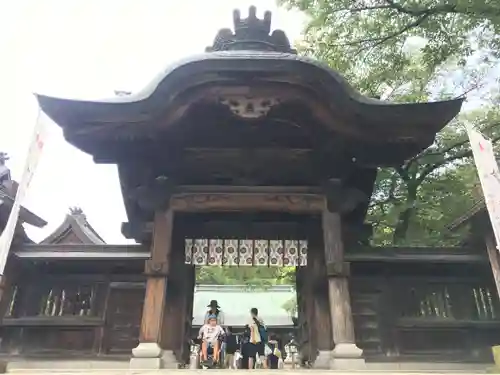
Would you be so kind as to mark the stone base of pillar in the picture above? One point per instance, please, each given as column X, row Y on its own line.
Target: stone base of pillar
column 169, row 360
column 324, row 360
column 146, row 356
column 348, row 357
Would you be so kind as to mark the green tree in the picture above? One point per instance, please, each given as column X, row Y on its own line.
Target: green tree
column 253, row 277
column 366, row 39
column 413, row 203
column 290, row 306
column 370, row 42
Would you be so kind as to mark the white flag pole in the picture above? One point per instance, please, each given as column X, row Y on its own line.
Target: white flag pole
column 34, row 151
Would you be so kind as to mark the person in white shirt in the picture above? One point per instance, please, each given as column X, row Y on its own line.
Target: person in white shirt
column 210, row 333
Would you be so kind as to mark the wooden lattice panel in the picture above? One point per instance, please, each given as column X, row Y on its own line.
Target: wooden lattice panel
column 245, row 252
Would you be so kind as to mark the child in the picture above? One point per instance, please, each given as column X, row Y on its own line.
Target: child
column 232, row 345
column 210, row 334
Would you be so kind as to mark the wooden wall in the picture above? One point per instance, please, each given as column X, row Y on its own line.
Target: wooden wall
column 74, row 315
column 402, row 311
column 426, row 312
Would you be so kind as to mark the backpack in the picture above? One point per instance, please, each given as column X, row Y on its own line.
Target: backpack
column 262, row 332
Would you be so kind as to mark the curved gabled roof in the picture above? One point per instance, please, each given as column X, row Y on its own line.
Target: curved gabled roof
column 254, row 63
column 398, row 120
column 74, row 229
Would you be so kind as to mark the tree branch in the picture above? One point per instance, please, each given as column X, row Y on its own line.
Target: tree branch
column 461, row 155
column 390, row 195
column 416, row 11
column 478, row 11
column 360, row 9
column 403, row 172
column 380, row 40
column 456, row 145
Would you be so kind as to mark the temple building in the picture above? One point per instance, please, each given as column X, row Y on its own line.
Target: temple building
column 249, row 155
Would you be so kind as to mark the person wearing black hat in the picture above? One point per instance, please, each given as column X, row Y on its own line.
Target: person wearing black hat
column 214, row 309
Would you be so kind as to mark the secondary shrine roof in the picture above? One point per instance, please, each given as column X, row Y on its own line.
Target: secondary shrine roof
column 75, row 229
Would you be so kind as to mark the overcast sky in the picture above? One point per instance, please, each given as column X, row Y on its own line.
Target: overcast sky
column 87, row 49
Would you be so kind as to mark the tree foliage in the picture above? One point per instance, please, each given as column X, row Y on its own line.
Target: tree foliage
column 414, row 51
column 253, row 277
column 366, row 39
column 291, row 307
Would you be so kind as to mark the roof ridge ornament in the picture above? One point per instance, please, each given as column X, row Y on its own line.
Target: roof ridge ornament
column 251, row 33
column 76, row 211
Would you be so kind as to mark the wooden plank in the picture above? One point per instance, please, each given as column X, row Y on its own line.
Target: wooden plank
column 82, row 255
column 128, row 285
column 53, row 321
column 82, row 248
column 415, row 254
column 419, row 323
column 306, row 190
column 277, row 202
column 87, row 252
column 101, row 309
column 91, row 278
column 123, row 320
column 226, row 229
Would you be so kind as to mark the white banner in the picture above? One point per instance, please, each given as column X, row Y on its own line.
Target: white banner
column 34, row 152
column 489, row 176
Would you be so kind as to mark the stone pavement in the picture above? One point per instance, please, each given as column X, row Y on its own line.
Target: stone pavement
column 103, row 367
column 225, row 372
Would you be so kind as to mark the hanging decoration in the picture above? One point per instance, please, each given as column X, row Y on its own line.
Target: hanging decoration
column 245, row 252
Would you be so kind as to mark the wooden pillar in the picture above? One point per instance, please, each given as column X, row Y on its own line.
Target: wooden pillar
column 322, row 332
column 187, row 320
column 346, row 355
column 310, row 314
column 302, row 329
column 175, row 301
column 305, row 307
column 149, row 354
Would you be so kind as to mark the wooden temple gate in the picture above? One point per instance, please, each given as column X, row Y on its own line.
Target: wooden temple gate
column 253, row 148
column 181, row 237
